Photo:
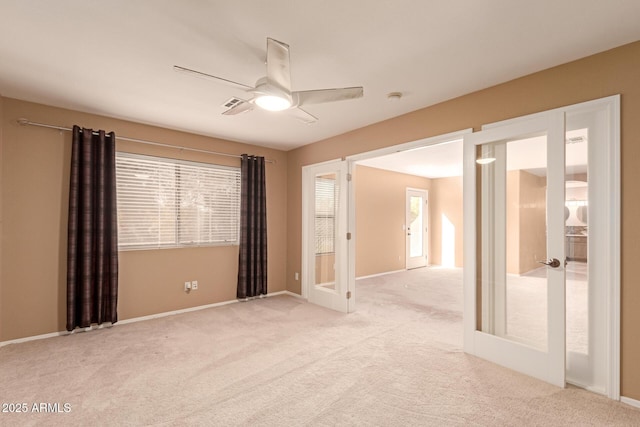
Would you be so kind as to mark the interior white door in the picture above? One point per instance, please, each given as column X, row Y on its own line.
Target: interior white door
column 513, row 223
column 416, row 228
column 325, row 259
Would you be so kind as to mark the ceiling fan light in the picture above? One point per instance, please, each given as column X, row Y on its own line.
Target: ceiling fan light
column 485, row 160
column 273, row 102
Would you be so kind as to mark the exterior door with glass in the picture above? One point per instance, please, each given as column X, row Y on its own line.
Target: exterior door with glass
column 514, row 260
column 416, row 228
column 325, row 260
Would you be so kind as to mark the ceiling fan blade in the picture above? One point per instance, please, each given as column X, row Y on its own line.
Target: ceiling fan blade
column 278, row 70
column 302, row 115
column 240, row 107
column 208, row 76
column 326, row 95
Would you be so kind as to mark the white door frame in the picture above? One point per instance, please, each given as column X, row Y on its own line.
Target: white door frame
column 608, row 250
column 425, row 228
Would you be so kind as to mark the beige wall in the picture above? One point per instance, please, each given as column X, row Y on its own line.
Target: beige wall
column 380, row 205
column 34, row 197
column 612, row 72
column 380, row 216
column 445, row 201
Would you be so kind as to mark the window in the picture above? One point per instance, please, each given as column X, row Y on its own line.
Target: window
column 174, row 203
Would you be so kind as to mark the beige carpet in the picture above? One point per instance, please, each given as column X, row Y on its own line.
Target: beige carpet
column 282, row 362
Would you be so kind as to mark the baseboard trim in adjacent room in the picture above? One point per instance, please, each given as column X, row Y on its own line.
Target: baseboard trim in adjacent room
column 379, row 274
column 629, row 401
column 135, row 319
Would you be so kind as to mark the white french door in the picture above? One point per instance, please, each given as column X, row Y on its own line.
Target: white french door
column 416, row 228
column 324, row 253
column 514, row 261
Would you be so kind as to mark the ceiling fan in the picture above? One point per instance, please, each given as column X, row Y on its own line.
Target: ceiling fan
column 273, row 92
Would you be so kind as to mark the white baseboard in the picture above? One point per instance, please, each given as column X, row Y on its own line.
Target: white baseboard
column 380, row 274
column 629, row 401
column 134, row 319
column 35, row 337
column 291, row 294
column 432, row 266
column 174, row 312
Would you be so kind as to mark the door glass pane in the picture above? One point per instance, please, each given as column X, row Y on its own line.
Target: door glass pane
column 415, row 226
column 577, row 239
column 513, row 239
column 326, row 214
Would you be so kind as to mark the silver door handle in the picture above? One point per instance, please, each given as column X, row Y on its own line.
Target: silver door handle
column 551, row 262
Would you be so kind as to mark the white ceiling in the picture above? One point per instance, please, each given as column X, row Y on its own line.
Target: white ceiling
column 115, row 57
column 445, row 159
column 434, row 161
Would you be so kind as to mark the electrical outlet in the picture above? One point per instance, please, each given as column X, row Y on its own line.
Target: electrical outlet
column 297, row 276
column 194, row 285
column 187, row 286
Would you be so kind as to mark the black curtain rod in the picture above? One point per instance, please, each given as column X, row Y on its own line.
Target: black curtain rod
column 27, row 122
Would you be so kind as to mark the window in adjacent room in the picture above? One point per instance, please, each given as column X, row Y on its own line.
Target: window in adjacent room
column 175, row 203
column 325, row 215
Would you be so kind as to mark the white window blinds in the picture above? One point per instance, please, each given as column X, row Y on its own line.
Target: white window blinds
column 172, row 203
column 326, row 206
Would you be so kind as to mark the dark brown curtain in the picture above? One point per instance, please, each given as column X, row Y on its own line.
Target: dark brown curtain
column 252, row 268
column 92, row 251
